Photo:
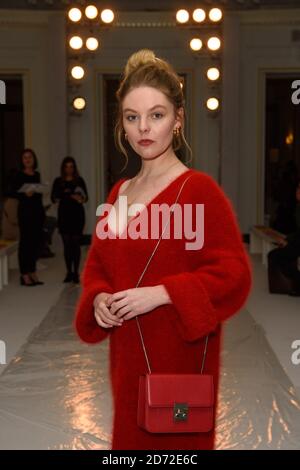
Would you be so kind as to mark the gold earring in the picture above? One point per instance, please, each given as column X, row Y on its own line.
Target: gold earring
column 176, row 131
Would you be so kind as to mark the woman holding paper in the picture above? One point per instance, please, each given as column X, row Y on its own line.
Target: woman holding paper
column 30, row 217
column 70, row 191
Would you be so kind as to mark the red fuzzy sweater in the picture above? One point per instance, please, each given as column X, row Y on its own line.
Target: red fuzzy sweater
column 206, row 287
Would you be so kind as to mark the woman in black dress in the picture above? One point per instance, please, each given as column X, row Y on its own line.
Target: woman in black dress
column 31, row 218
column 71, row 193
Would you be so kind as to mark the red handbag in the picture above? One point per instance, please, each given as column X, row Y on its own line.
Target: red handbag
column 174, row 403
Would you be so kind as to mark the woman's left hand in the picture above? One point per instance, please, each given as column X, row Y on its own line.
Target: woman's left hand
column 129, row 303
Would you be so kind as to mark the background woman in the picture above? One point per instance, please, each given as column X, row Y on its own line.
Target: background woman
column 30, row 218
column 69, row 190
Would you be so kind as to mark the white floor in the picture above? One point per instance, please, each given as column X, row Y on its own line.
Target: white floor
column 279, row 316
column 23, row 308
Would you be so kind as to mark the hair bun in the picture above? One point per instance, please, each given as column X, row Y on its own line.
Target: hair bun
column 139, row 58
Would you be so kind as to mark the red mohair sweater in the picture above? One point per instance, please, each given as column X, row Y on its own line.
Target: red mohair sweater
column 206, row 287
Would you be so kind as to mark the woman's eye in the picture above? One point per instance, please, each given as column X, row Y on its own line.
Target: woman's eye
column 131, row 117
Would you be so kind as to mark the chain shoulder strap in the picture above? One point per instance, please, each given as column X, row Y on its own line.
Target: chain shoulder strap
column 143, row 273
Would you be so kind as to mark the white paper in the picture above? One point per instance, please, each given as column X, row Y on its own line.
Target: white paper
column 79, row 190
column 33, row 187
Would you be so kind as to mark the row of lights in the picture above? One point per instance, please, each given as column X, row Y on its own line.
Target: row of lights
column 213, row 44
column 79, row 103
column 199, row 15
column 91, row 43
column 91, row 13
column 213, row 73
column 182, row 16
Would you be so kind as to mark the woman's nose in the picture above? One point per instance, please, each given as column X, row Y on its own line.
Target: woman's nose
column 143, row 125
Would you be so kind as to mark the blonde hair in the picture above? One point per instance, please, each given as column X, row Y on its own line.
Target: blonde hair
column 144, row 69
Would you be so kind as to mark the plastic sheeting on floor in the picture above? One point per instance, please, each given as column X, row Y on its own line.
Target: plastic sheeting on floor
column 56, row 394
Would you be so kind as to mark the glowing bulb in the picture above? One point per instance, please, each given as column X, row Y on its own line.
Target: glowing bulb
column 213, row 73
column 75, row 14
column 215, row 14
column 196, row 44
column 77, row 72
column 92, row 44
column 212, row 104
column 182, row 16
column 214, row 44
column 199, row 15
column 76, row 42
column 107, row 16
column 79, row 103
column 289, row 138
column 91, row 12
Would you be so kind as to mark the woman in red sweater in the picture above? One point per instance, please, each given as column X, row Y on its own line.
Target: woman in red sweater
column 189, row 288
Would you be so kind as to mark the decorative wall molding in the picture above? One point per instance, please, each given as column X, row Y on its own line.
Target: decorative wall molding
column 269, row 17
column 161, row 5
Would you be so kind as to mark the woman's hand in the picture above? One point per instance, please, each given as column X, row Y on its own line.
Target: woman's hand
column 282, row 243
column 77, row 198
column 102, row 314
column 130, row 303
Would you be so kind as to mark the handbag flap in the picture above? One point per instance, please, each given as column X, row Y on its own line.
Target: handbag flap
column 163, row 390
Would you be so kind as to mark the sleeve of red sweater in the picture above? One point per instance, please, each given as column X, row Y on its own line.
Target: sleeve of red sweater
column 93, row 283
column 221, row 282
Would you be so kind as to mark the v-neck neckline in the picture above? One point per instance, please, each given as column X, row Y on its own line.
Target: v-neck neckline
column 125, row 230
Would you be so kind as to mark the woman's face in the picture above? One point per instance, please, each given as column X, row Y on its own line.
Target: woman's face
column 148, row 115
column 69, row 169
column 28, row 160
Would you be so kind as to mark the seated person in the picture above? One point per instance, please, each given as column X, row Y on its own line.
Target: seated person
column 285, row 257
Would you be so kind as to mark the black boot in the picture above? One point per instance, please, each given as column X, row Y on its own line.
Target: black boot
column 76, row 279
column 69, row 277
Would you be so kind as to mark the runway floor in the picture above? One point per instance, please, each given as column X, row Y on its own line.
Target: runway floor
column 55, row 393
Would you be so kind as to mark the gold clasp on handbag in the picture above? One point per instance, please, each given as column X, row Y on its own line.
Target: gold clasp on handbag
column 180, row 412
